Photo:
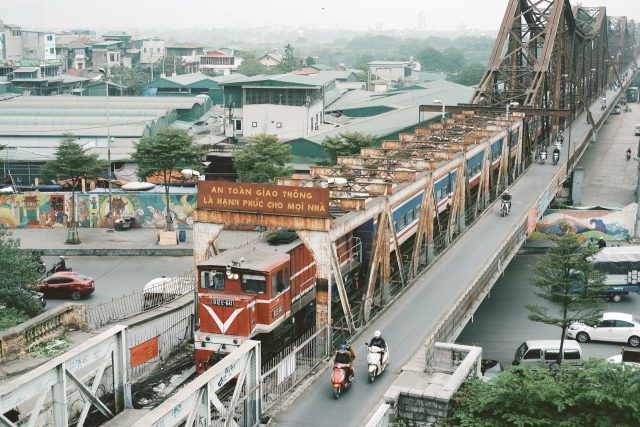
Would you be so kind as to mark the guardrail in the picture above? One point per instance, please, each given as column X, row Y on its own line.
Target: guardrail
column 16, row 341
column 136, row 302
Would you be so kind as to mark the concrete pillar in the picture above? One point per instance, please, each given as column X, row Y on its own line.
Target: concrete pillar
column 577, row 186
column 204, row 235
column 319, row 244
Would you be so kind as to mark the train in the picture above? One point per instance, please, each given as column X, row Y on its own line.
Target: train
column 266, row 290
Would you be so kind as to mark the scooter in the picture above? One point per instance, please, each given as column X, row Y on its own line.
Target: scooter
column 56, row 268
column 556, row 158
column 504, row 208
column 543, row 157
column 628, row 155
column 377, row 359
column 340, row 378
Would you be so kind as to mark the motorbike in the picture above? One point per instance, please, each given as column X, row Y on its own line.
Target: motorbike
column 504, row 208
column 628, row 155
column 543, row 157
column 556, row 158
column 56, row 268
column 377, row 359
column 340, row 378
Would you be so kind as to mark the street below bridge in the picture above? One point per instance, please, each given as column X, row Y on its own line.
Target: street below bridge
column 119, row 275
column 410, row 320
column 500, row 324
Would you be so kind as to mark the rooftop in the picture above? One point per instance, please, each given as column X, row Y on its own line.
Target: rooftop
column 281, row 80
column 185, row 45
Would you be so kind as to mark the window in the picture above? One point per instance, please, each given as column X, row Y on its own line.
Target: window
column 144, row 50
column 533, row 353
column 157, row 50
column 606, row 324
column 112, row 57
column 403, row 221
column 49, row 38
column 254, row 124
column 410, row 216
column 52, row 50
column 279, row 282
column 212, row 280
column 551, row 355
column 254, row 284
column 238, row 124
column 278, row 125
column 572, row 355
column 623, row 324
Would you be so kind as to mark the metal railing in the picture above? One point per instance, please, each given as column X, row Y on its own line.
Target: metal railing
column 284, row 371
column 139, row 301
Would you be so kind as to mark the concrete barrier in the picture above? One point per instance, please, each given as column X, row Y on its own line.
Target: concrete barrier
column 15, row 342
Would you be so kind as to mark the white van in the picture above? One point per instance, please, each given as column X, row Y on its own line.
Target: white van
column 543, row 353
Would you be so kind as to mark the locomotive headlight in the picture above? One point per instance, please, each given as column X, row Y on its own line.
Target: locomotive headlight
column 236, row 277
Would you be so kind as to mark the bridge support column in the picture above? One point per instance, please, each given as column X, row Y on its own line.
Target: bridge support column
column 204, row 240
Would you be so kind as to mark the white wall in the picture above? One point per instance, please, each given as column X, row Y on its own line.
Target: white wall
column 295, row 121
column 50, row 48
column 154, row 51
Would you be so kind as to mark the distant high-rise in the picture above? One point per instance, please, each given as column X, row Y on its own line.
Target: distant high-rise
column 422, row 21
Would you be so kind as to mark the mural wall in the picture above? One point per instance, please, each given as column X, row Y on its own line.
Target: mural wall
column 92, row 210
column 596, row 223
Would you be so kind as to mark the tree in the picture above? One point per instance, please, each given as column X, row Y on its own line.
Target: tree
column 310, row 61
column 250, row 65
column 289, row 61
column 263, row 160
column 346, row 144
column 469, row 75
column 601, row 394
column 569, row 281
column 132, row 78
column 431, row 59
column 23, row 271
column 73, row 163
column 163, row 153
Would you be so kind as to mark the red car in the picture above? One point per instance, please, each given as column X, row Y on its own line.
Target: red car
column 66, row 284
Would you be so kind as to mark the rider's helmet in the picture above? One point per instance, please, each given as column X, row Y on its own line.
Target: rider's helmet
column 377, row 334
column 61, row 256
column 506, row 191
column 344, row 346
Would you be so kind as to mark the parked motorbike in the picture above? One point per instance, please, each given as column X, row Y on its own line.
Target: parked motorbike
column 628, row 155
column 504, row 208
column 556, row 158
column 543, row 157
column 377, row 359
column 340, row 378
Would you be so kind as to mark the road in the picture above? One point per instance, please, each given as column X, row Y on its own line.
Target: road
column 115, row 276
column 500, row 325
column 408, row 322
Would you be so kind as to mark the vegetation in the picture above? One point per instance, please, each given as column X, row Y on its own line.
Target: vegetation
column 263, row 160
column 469, row 75
column 346, row 144
column 163, row 153
column 17, row 301
column 289, row 62
column 73, row 163
column 252, row 67
column 133, row 79
column 601, row 394
column 569, row 281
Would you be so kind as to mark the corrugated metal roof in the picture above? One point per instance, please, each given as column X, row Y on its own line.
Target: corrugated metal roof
column 296, row 80
column 26, row 69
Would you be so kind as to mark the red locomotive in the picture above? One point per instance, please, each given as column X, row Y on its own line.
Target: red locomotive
column 261, row 291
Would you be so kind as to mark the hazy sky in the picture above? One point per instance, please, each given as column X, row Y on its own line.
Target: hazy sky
column 353, row 14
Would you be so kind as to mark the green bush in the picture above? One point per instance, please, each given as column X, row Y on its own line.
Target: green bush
column 10, row 317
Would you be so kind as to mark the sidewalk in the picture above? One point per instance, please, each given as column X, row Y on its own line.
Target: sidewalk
column 99, row 242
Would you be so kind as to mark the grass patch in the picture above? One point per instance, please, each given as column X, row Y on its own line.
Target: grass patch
column 10, row 317
column 51, row 348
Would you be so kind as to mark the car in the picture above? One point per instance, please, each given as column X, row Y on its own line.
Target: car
column 637, row 130
column 38, row 296
column 490, row 368
column 617, row 109
column 66, row 284
column 627, row 357
column 613, row 327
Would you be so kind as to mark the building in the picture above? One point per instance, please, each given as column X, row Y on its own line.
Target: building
column 286, row 105
column 270, row 59
column 190, row 85
column 77, row 55
column 17, row 44
column 107, row 54
column 31, row 127
column 385, row 75
column 221, row 63
column 151, row 50
column 383, row 115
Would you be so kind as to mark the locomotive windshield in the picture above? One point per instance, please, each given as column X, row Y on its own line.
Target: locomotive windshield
column 212, row 280
column 254, row 284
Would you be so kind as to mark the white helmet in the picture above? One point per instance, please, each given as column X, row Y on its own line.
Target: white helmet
column 61, row 256
column 377, row 334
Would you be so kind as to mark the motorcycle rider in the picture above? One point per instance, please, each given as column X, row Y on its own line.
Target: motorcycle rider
column 378, row 341
column 506, row 198
column 62, row 265
column 559, row 138
column 543, row 155
column 556, row 155
column 345, row 355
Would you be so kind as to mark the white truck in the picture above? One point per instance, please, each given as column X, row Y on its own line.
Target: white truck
column 621, row 265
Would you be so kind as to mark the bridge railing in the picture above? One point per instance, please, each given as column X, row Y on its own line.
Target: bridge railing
column 139, row 301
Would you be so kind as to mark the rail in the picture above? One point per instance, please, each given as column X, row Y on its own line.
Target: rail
column 136, row 302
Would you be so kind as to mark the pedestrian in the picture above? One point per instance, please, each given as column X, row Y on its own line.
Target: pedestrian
column 590, row 244
column 602, row 243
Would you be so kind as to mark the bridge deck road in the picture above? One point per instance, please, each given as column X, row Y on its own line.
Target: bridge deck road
column 407, row 323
